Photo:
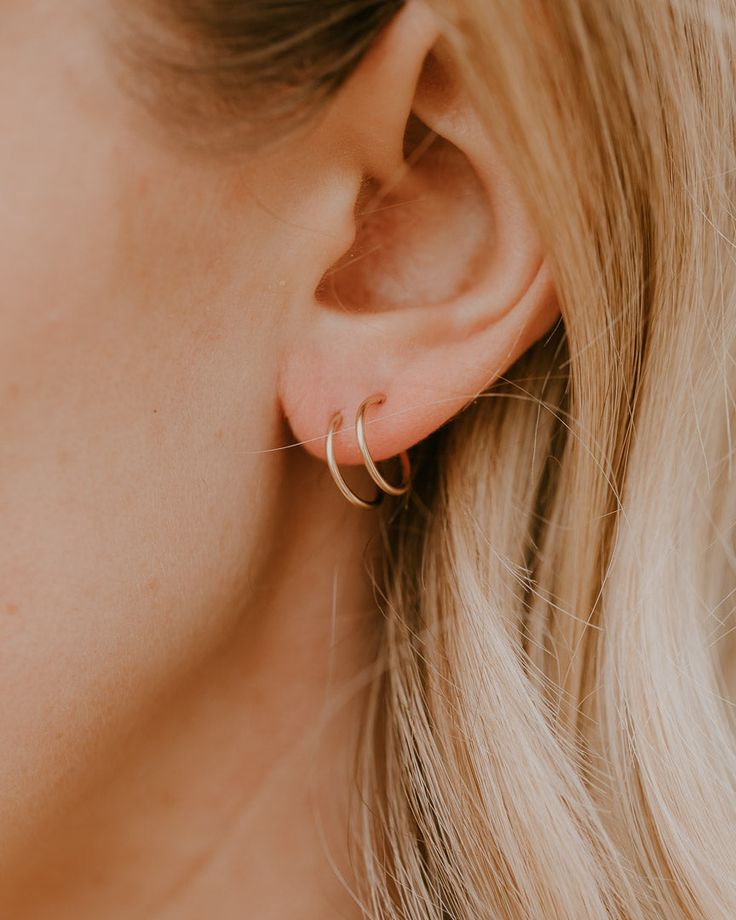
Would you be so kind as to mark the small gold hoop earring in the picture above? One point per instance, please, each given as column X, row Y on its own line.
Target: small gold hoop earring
column 383, row 485
column 351, row 496
column 370, row 465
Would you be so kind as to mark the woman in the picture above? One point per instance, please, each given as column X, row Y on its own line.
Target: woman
column 253, row 250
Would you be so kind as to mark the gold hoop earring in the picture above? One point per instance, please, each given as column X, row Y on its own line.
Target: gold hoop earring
column 370, row 465
column 383, row 485
column 351, row 496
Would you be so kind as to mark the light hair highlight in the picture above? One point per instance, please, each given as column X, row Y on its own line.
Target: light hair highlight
column 552, row 730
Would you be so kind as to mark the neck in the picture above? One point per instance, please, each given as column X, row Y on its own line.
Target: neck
column 229, row 796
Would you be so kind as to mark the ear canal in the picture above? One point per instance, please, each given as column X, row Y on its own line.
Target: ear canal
column 422, row 234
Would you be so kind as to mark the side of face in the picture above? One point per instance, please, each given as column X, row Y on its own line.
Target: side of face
column 143, row 299
column 165, row 329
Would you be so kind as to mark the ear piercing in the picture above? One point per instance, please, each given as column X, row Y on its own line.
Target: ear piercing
column 383, row 485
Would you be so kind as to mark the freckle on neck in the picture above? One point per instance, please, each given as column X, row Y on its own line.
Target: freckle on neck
column 11, row 608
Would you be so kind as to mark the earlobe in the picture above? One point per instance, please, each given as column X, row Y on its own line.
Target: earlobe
column 444, row 283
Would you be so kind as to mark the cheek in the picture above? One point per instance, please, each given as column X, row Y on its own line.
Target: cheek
column 134, row 355
column 136, row 380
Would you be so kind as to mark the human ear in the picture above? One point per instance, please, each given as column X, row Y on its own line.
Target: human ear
column 434, row 281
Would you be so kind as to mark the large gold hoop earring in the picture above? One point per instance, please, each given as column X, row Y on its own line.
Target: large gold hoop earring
column 351, row 496
column 370, row 465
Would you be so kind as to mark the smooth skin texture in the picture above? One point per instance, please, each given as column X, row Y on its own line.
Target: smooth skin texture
column 185, row 617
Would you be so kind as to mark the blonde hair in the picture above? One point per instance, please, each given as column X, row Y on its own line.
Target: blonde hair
column 551, row 734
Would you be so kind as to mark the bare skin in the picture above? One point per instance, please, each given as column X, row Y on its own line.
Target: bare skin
column 186, row 618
